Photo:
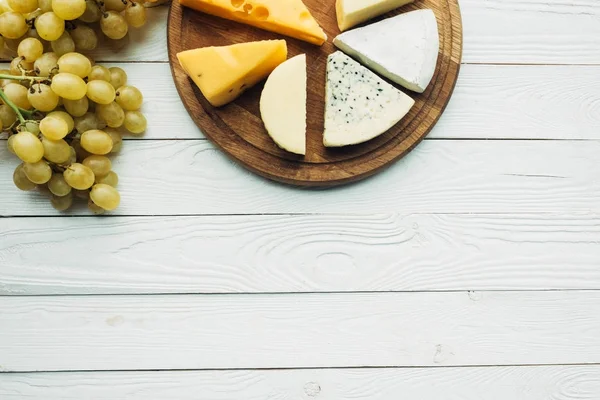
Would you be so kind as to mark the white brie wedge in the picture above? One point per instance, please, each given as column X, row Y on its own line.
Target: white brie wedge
column 403, row 48
column 359, row 105
column 353, row 12
column 283, row 105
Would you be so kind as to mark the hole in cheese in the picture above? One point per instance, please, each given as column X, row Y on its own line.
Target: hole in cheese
column 260, row 13
column 237, row 3
column 247, row 8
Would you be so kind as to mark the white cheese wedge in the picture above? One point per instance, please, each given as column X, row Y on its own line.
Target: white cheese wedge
column 283, row 105
column 359, row 104
column 403, row 48
column 353, row 12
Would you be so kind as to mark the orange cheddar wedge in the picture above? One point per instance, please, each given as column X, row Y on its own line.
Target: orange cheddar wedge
column 223, row 73
column 287, row 17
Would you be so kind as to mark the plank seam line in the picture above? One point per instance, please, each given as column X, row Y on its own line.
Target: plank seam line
column 366, row 367
column 286, row 294
column 588, row 213
column 476, row 63
column 431, row 139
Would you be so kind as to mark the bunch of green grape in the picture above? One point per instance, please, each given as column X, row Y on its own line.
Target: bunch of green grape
column 65, row 25
column 64, row 117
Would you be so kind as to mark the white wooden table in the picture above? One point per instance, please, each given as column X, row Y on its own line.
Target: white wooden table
column 468, row 271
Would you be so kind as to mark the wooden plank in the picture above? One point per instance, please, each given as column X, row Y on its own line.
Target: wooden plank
column 66, row 333
column 495, row 31
column 531, row 31
column 553, row 102
column 192, row 177
column 314, row 253
column 494, row 383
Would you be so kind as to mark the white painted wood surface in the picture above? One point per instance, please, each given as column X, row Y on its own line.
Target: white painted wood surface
column 182, row 177
column 301, row 330
column 467, row 254
column 304, row 253
column 495, row 383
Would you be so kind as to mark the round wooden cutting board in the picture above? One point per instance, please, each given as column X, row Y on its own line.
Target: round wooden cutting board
column 237, row 127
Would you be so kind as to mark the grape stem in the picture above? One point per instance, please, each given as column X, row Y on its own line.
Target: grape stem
column 24, row 77
column 18, row 110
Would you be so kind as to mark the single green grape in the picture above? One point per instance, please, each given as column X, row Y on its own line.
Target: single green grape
column 118, row 77
column 92, row 12
column 7, row 115
column 69, row 9
column 96, row 142
column 135, row 122
column 18, row 66
column 75, row 63
column 9, row 144
column 45, row 5
column 114, row 25
column 112, row 114
column 54, row 128
column 30, row 49
column 117, row 139
column 49, row 26
column 69, row 86
column 58, row 186
column 100, row 92
column 88, row 122
column 111, row 179
column 129, row 98
column 135, row 15
column 13, row 25
column 21, row 181
column 38, row 172
column 85, row 38
column 100, row 165
column 72, row 156
column 46, row 64
column 63, row 45
column 105, row 196
column 56, row 151
column 76, row 108
column 65, row 117
column 115, row 5
column 23, row 6
column 99, row 73
column 42, row 97
column 28, row 147
column 17, row 94
column 62, row 203
column 79, row 177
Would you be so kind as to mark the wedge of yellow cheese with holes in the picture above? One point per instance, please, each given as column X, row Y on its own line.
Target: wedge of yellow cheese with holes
column 223, row 73
column 287, row 17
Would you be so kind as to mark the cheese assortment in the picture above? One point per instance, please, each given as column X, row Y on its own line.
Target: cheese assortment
column 287, row 17
column 353, row 12
column 359, row 104
column 403, row 48
column 223, row 73
column 283, row 105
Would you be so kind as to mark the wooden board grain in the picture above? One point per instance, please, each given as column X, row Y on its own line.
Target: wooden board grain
column 93, row 333
column 238, row 130
column 581, row 382
column 302, row 253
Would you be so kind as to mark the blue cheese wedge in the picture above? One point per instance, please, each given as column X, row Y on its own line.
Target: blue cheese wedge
column 403, row 48
column 359, row 104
